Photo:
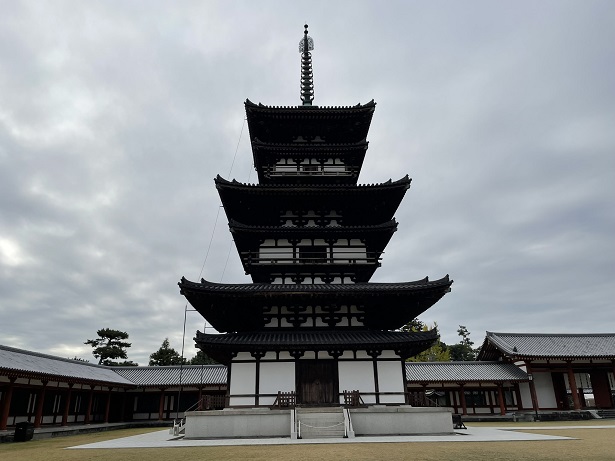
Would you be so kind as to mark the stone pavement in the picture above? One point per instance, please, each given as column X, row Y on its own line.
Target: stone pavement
column 162, row 439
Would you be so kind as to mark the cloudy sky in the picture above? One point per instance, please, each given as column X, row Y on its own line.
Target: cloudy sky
column 116, row 116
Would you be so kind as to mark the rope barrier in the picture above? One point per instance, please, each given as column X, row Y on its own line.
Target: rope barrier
column 321, row 427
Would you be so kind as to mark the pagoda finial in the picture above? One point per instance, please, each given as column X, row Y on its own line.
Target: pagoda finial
column 307, row 82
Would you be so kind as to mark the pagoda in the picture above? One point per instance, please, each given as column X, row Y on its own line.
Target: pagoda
column 311, row 324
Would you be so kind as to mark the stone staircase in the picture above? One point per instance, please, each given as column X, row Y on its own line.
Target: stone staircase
column 610, row 414
column 324, row 422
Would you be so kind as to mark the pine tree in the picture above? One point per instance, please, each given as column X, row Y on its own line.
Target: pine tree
column 166, row 355
column 111, row 345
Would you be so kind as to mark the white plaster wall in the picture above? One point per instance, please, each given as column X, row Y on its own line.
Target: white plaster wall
column 544, row 390
column 389, row 355
column 357, row 376
column 243, row 381
column 274, row 377
column 526, row 396
column 390, row 379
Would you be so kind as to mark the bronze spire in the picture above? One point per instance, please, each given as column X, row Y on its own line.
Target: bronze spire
column 307, row 83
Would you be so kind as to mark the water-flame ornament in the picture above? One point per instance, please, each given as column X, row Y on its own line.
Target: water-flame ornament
column 307, row 79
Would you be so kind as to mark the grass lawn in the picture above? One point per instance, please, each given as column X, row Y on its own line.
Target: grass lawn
column 593, row 444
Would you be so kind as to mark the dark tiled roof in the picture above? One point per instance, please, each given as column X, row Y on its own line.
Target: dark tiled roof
column 312, row 339
column 390, row 225
column 170, row 375
column 313, row 147
column 374, row 288
column 313, row 109
column 315, row 188
column 463, row 372
column 26, row 363
column 222, row 347
column 598, row 345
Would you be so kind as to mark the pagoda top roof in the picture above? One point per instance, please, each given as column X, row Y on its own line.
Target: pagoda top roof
column 308, row 148
column 321, row 110
column 303, row 123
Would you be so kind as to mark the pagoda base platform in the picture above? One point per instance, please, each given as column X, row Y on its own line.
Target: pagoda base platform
column 376, row 420
column 402, row 420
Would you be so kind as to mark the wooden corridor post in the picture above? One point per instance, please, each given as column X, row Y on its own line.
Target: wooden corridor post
column 462, row 399
column 40, row 401
column 161, row 405
column 88, row 411
column 501, row 399
column 6, row 405
column 533, row 394
column 573, row 388
column 107, row 405
column 67, row 404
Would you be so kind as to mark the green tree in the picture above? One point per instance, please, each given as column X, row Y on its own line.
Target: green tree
column 166, row 355
column 463, row 350
column 201, row 358
column 109, row 346
column 437, row 353
column 413, row 325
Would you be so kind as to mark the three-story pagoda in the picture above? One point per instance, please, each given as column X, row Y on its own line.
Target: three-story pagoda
column 311, row 238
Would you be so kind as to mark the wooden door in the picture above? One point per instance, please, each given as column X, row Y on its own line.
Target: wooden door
column 317, row 382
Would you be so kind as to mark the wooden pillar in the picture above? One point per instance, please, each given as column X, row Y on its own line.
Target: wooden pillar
column 501, row 399
column 490, row 399
column 376, row 385
column 518, row 397
column 199, row 405
column 123, row 414
column 425, row 403
column 161, row 405
column 573, row 387
column 67, row 405
column 6, row 405
column 88, row 411
column 40, row 400
column 532, row 387
column 107, row 405
column 462, row 399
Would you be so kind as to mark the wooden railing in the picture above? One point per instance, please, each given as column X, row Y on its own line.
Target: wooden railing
column 353, row 398
column 285, row 400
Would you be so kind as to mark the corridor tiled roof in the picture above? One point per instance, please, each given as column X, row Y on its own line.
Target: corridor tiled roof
column 528, row 345
column 19, row 362
column 172, row 375
column 463, row 372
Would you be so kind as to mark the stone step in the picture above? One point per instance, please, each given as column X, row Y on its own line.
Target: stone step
column 317, row 423
column 304, row 410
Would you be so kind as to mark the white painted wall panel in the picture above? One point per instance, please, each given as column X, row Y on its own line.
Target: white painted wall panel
column 243, row 379
column 390, row 379
column 357, row 376
column 274, row 377
column 544, row 390
column 526, row 396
